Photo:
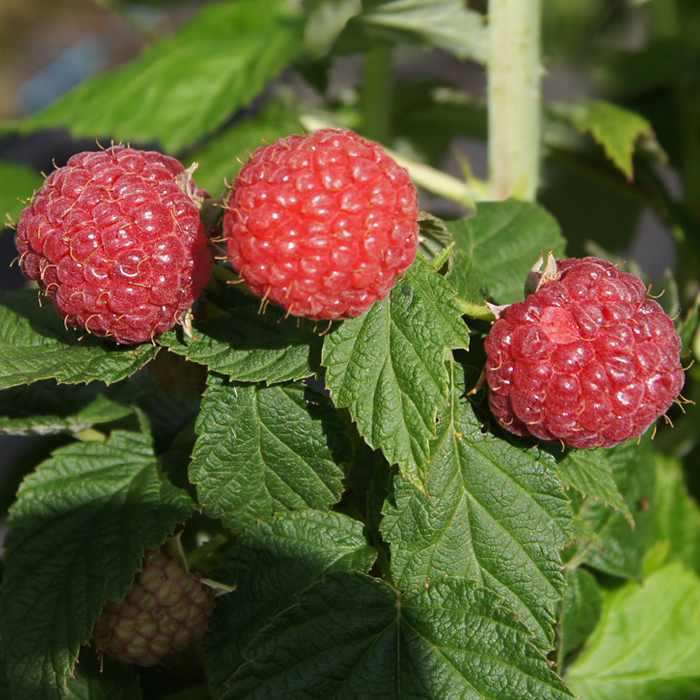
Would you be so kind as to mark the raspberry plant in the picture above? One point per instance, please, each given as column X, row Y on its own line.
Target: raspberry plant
column 383, row 535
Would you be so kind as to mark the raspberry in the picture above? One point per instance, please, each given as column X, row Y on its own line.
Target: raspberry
column 322, row 224
column 587, row 359
column 164, row 612
column 114, row 239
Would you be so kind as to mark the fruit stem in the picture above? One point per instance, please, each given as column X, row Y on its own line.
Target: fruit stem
column 376, row 94
column 479, row 311
column 514, row 77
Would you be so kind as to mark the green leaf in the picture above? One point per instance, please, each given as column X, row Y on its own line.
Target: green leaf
column 446, row 24
column 223, row 156
column 262, row 450
column 676, row 516
column 274, row 561
column 353, row 636
column 34, row 345
column 590, row 473
column 388, row 366
column 493, row 511
column 76, row 536
column 252, row 347
column 17, row 184
column 504, row 241
column 616, row 546
column 102, row 679
column 615, row 128
column 583, row 601
column 44, row 408
column 647, row 643
column 183, row 87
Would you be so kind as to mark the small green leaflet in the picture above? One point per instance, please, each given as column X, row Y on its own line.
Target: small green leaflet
column 503, row 242
column 17, row 184
column 590, row 473
column 265, row 449
column 76, row 535
column 447, row 24
column 34, row 345
column 275, row 560
column 388, row 366
column 647, row 643
column 252, row 347
column 183, row 87
column 616, row 129
column 492, row 512
column 353, row 636
column 44, row 408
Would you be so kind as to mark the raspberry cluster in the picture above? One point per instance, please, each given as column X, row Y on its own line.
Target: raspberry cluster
column 115, row 241
column 164, row 612
column 587, row 359
column 323, row 224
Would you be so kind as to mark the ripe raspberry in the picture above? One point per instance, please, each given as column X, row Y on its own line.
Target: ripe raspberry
column 322, row 224
column 115, row 241
column 164, row 612
column 587, row 359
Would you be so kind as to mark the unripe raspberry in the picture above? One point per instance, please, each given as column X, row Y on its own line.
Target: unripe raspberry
column 323, row 224
column 164, row 612
column 114, row 239
column 587, row 359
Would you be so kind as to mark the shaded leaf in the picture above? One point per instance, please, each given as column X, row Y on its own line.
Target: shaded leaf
column 647, row 643
column 492, row 512
column 17, row 184
column 274, row 561
column 262, row 450
column 353, row 636
column 102, row 679
column 34, row 345
column 183, row 87
column 583, row 601
column 76, row 535
column 388, row 366
column 504, row 241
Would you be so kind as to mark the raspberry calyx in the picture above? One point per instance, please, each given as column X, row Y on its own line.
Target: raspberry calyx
column 587, row 359
column 322, row 224
column 115, row 241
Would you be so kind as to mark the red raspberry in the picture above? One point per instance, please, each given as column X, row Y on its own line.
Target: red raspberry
column 587, row 359
column 114, row 239
column 322, row 224
column 164, row 612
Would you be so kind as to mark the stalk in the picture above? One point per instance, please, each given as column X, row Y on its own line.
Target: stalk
column 514, row 78
column 376, row 94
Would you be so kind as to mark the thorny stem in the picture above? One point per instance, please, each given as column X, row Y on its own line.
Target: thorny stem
column 514, row 78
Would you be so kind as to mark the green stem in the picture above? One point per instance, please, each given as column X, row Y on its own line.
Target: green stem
column 514, row 77
column 376, row 94
column 478, row 311
column 663, row 19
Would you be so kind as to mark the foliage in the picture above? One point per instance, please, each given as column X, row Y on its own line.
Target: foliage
column 384, row 538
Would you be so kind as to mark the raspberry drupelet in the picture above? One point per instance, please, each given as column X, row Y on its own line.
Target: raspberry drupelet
column 587, row 359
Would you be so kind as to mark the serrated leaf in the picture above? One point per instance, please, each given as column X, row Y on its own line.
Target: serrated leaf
column 388, row 366
column 647, row 643
column 183, row 87
column 34, row 345
column 447, row 24
column 44, row 408
column 615, row 128
column 583, row 600
column 504, row 241
column 223, row 156
column 676, row 516
column 590, row 473
column 102, row 679
column 76, row 535
column 353, row 636
column 274, row 561
column 252, row 347
column 618, row 547
column 493, row 511
column 17, row 184
column 262, row 450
